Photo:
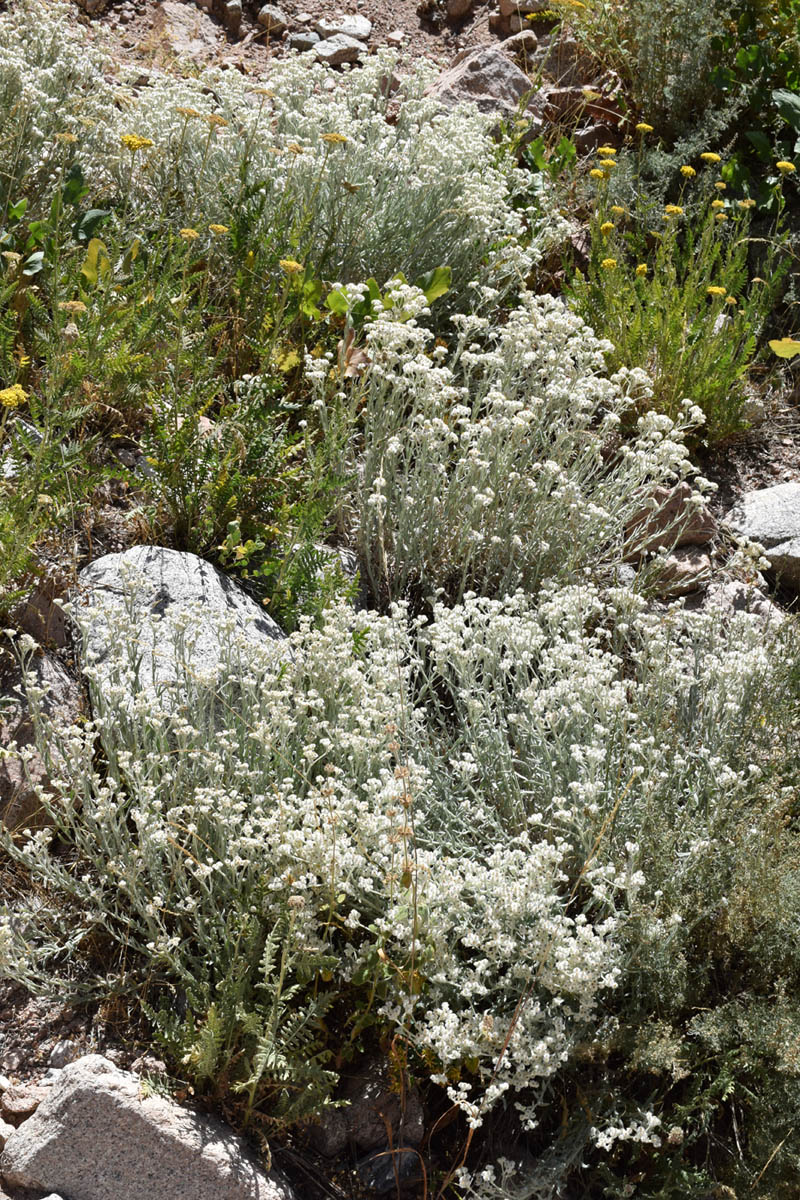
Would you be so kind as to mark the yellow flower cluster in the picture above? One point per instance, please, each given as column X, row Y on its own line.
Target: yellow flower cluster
column 641, row 269
column 608, row 264
column 785, row 168
column 643, row 127
column 688, row 172
column 135, row 142
column 73, row 307
column 713, row 290
column 710, row 157
column 218, row 228
column 334, row 139
column 717, row 203
column 290, row 265
column 606, row 228
column 673, row 210
column 12, row 397
column 189, row 235
column 618, row 210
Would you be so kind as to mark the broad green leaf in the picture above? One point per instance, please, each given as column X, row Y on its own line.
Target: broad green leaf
column 785, row 347
column 75, row 189
column 788, row 105
column 85, row 226
column 435, row 283
column 336, row 301
column 34, row 263
column 97, row 262
column 17, row 211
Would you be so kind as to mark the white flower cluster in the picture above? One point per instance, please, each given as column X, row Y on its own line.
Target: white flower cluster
column 494, row 465
column 434, row 790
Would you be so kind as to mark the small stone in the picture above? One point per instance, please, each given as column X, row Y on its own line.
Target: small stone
column 273, row 19
column 386, row 1171
column 65, row 1051
column 6, row 1131
column 771, row 516
column 457, row 10
column 304, row 39
column 684, row 571
column 396, row 37
column 521, row 8
column 333, row 51
column 5, row 1083
column 233, row 17
column 356, row 27
column 304, row 18
column 671, row 520
column 20, row 1101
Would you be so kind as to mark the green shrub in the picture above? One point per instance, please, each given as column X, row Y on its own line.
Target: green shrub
column 670, row 287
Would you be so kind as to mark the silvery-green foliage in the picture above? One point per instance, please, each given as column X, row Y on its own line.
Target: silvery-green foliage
column 473, row 795
column 427, row 188
column 495, row 464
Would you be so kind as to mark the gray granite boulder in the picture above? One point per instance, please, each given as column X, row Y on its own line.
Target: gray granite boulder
column 771, row 516
column 339, row 49
column 176, row 616
column 97, row 1136
column 488, row 77
column 353, row 26
column 273, row 19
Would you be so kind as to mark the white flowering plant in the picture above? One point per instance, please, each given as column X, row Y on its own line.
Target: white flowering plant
column 498, row 833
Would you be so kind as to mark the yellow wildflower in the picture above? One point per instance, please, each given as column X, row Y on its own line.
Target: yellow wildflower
column 641, row 269
column 606, row 151
column 673, row 210
column 69, row 138
column 290, row 266
column 748, row 203
column 72, row 307
column 606, row 228
column 187, row 112
column 215, row 121
column 643, row 127
column 720, row 217
column 607, row 164
column 596, row 173
column 717, row 203
column 608, row 264
column 12, row 397
column 135, row 142
column 710, row 157
column 189, row 235
column 713, row 290
column 688, row 172
column 731, row 300
column 218, row 228
column 618, row 210
column 785, row 168
column 334, row 139
column 720, row 185
column 293, row 148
